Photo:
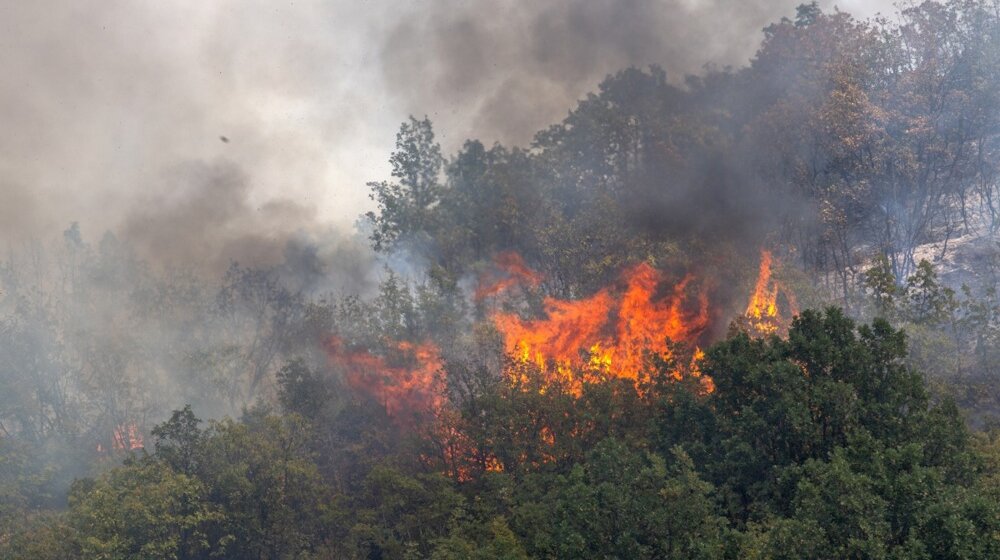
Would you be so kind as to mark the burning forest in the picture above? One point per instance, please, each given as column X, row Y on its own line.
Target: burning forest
column 743, row 306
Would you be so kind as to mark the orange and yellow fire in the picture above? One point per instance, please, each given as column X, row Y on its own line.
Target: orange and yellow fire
column 612, row 333
column 762, row 314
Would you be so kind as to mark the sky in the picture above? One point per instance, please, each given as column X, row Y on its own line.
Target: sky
column 217, row 130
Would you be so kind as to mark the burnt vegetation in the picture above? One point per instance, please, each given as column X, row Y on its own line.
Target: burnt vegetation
column 566, row 353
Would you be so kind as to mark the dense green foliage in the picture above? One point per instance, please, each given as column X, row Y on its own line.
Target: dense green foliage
column 821, row 445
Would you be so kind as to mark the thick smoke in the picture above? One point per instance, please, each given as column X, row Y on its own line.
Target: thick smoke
column 506, row 70
column 203, row 133
column 203, row 209
column 283, row 112
column 200, row 134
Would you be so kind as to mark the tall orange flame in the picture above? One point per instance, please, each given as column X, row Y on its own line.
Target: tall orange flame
column 611, row 333
column 762, row 315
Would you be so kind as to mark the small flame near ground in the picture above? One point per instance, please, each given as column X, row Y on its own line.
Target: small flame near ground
column 125, row 437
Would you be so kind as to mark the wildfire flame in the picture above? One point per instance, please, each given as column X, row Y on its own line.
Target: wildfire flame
column 125, row 437
column 762, row 314
column 408, row 380
column 611, row 333
column 509, row 270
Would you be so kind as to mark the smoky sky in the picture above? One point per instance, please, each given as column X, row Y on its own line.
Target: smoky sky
column 209, row 131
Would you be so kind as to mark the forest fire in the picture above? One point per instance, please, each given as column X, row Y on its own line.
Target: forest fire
column 612, row 333
column 762, row 316
column 510, row 270
column 407, row 380
column 125, row 437
column 559, row 320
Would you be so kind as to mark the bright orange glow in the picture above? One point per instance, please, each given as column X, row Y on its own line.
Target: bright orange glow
column 694, row 369
column 509, row 271
column 620, row 332
column 407, row 380
column 493, row 465
column 762, row 314
column 611, row 333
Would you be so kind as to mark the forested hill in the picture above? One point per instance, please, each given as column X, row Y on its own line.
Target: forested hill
column 841, row 141
column 730, row 315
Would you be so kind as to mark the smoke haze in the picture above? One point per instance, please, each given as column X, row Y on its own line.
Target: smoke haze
column 206, row 132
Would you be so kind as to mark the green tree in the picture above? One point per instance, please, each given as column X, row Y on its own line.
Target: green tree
column 178, row 442
column 398, row 515
column 880, row 282
column 301, row 390
column 143, row 510
column 620, row 504
column 261, row 474
column 827, row 445
column 929, row 301
column 499, row 542
column 405, row 207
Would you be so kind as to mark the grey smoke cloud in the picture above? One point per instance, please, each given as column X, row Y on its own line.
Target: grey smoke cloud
column 112, row 111
column 502, row 72
column 103, row 102
column 201, row 210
